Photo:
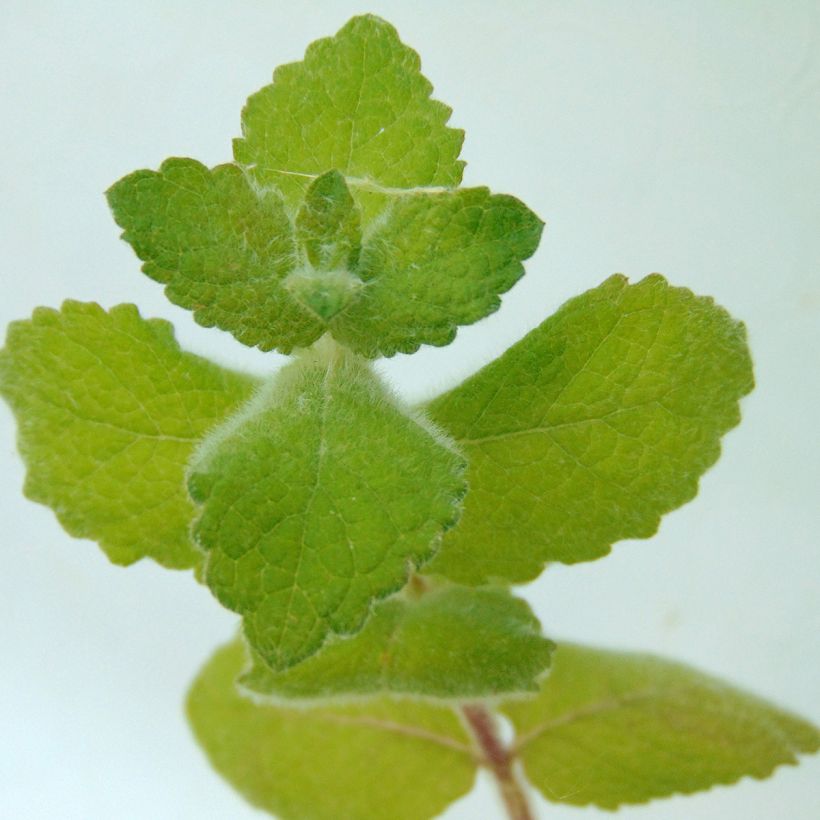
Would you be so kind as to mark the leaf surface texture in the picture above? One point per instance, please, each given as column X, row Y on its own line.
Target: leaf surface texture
column 591, row 427
column 612, row 728
column 453, row 642
column 382, row 760
column 317, row 501
column 110, row 410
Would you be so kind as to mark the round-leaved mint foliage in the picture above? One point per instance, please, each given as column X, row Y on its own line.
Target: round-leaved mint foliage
column 591, row 427
column 110, row 410
column 383, row 759
column 342, row 216
column 613, row 728
column 318, row 499
column 453, row 643
column 358, row 103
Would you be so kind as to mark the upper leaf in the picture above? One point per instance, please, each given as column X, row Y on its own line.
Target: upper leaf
column 434, row 262
column 611, row 728
column 591, row 427
column 381, row 760
column 453, row 642
column 222, row 250
column 317, row 500
column 229, row 253
column 329, row 233
column 109, row 411
column 358, row 104
column 328, row 225
column 344, row 217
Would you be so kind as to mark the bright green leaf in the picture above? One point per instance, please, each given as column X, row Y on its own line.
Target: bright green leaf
column 222, row 249
column 452, row 642
column 357, row 104
column 382, row 760
column 611, row 728
column 110, row 410
column 591, row 427
column 317, row 502
column 436, row 261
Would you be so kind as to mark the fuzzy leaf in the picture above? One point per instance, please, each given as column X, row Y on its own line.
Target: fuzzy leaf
column 317, row 502
column 436, row 261
column 346, row 219
column 110, row 410
column 329, row 234
column 591, row 428
column 328, row 226
column 221, row 249
column 382, row 760
column 612, row 728
column 357, row 104
column 453, row 642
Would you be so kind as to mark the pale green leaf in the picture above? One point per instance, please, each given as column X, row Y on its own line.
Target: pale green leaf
column 381, row 760
column 359, row 104
column 452, row 642
column 318, row 501
column 591, row 427
column 109, row 410
column 436, row 261
column 611, row 728
column 222, row 250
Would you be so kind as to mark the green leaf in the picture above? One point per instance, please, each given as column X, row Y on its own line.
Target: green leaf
column 591, row 427
column 222, row 249
column 357, row 104
column 328, row 225
column 228, row 252
column 452, row 642
column 611, row 728
column 318, row 501
column 436, row 261
column 382, row 760
column 382, row 251
column 329, row 234
column 109, row 410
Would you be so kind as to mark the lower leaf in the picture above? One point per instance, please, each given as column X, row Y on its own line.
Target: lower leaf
column 453, row 643
column 612, row 728
column 385, row 760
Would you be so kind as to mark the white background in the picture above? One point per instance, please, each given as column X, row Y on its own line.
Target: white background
column 670, row 136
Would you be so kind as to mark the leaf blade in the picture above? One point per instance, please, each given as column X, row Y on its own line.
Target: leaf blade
column 222, row 250
column 373, row 756
column 613, row 728
column 357, row 103
column 435, row 262
column 109, row 410
column 303, row 550
column 591, row 427
column 453, row 643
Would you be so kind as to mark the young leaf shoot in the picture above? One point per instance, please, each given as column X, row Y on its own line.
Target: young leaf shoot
column 368, row 546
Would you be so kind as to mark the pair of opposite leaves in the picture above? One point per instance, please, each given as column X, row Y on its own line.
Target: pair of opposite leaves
column 317, row 490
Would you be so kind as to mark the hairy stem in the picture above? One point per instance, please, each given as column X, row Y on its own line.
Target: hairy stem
column 499, row 760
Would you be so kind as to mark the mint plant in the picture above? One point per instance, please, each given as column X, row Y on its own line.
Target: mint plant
column 369, row 547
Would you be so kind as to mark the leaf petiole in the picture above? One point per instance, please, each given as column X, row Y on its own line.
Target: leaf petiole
column 499, row 759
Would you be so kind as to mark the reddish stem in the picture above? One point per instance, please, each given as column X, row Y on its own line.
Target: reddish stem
column 499, row 760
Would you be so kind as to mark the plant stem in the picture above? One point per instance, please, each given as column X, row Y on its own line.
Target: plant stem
column 499, row 760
